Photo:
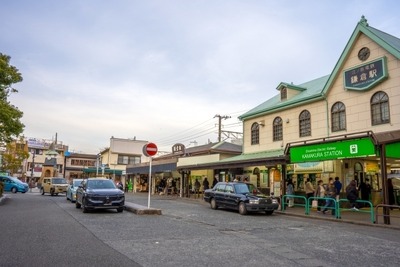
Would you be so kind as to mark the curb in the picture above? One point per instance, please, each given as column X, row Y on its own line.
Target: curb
column 338, row 220
column 141, row 210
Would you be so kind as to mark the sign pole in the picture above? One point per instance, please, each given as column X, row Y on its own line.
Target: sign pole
column 149, row 184
column 149, row 150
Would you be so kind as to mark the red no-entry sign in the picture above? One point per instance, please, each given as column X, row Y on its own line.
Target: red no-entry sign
column 150, row 149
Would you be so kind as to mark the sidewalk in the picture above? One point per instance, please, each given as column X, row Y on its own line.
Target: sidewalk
column 361, row 217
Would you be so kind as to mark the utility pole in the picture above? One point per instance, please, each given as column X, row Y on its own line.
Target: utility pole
column 32, row 169
column 220, row 124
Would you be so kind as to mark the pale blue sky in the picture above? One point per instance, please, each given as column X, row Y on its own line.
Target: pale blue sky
column 161, row 70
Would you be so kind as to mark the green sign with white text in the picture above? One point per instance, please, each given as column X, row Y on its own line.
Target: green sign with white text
column 333, row 150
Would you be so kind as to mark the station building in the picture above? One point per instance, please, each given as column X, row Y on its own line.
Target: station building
column 344, row 124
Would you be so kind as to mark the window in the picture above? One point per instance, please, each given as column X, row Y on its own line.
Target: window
column 338, row 113
column 305, row 123
column 277, row 132
column 380, row 108
column 255, row 134
column 284, row 93
column 125, row 160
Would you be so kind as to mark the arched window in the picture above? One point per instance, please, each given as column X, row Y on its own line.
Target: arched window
column 277, row 131
column 305, row 123
column 255, row 134
column 338, row 114
column 380, row 108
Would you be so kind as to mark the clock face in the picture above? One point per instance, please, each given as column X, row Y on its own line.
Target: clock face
column 363, row 54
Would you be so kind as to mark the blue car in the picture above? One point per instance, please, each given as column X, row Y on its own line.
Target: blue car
column 71, row 191
column 12, row 184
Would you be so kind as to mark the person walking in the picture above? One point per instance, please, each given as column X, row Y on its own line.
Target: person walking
column 331, row 194
column 338, row 186
column 290, row 191
column 206, row 184
column 320, row 193
column 309, row 189
column 352, row 194
column 196, row 188
column 365, row 189
column 215, row 181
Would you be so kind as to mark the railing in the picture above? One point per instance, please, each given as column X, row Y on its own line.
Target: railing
column 336, row 205
column 284, row 197
column 370, row 210
column 385, row 215
column 334, row 208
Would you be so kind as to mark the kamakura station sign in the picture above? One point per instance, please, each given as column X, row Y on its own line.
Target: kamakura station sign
column 354, row 148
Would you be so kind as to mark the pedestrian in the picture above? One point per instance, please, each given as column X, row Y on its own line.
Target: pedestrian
column 196, row 188
column 290, row 191
column 390, row 192
column 352, row 194
column 331, row 196
column 320, row 193
column 309, row 189
column 365, row 189
column 215, row 181
column 338, row 186
column 206, row 184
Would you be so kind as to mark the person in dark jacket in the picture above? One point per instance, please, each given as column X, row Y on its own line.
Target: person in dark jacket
column 206, row 184
column 352, row 194
column 215, row 181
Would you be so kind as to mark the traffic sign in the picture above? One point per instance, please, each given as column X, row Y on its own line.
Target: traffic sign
column 150, row 149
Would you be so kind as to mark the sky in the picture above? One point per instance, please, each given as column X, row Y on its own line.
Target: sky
column 160, row 70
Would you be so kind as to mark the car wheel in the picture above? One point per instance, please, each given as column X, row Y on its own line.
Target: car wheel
column 242, row 208
column 77, row 205
column 269, row 212
column 121, row 209
column 51, row 191
column 14, row 190
column 84, row 209
column 213, row 204
column 42, row 191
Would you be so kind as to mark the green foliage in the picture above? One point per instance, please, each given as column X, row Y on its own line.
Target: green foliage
column 14, row 156
column 10, row 124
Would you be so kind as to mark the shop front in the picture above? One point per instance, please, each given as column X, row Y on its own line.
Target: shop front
column 363, row 157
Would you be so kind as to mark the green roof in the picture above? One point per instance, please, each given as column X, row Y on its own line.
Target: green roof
column 316, row 89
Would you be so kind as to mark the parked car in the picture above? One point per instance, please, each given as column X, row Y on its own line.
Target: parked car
column 12, row 184
column 99, row 193
column 54, row 186
column 71, row 190
column 244, row 197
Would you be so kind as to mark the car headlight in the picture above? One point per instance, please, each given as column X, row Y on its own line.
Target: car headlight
column 253, row 201
column 274, row 201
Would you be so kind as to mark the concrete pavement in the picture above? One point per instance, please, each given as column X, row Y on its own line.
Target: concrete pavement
column 362, row 217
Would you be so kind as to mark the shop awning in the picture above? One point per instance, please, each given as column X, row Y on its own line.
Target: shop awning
column 265, row 158
column 155, row 168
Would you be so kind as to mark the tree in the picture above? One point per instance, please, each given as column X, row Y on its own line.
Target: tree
column 10, row 124
column 15, row 154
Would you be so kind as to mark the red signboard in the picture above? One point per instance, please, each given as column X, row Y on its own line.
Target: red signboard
column 150, row 149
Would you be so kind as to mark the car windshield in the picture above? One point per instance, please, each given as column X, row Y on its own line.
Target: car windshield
column 100, row 184
column 77, row 182
column 241, row 189
column 59, row 181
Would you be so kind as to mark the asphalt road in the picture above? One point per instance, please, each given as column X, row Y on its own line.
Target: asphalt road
column 43, row 230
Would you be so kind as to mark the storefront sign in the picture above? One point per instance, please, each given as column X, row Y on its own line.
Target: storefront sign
column 333, row 150
column 393, row 150
column 365, row 76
